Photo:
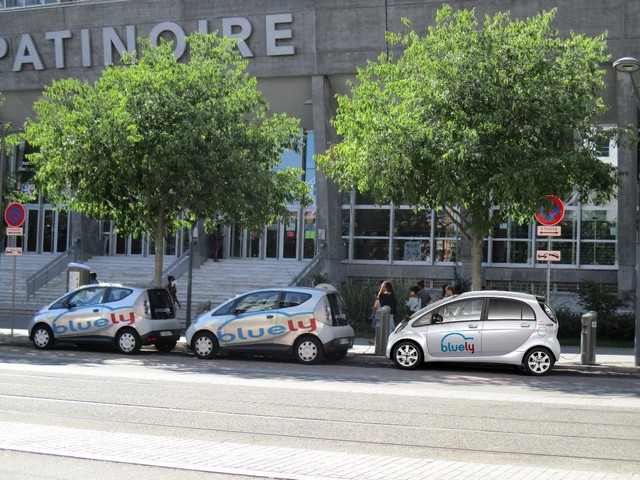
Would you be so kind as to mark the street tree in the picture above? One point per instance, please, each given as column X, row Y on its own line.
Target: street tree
column 155, row 144
column 481, row 122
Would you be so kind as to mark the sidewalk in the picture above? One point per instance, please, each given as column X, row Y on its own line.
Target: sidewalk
column 608, row 360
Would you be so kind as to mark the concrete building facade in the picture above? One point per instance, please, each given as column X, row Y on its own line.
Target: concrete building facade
column 303, row 52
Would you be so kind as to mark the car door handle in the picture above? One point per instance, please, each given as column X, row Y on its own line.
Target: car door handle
column 269, row 317
column 525, row 325
column 472, row 325
column 96, row 310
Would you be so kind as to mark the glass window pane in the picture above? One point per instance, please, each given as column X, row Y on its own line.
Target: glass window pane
column 371, row 249
column 444, row 226
column 597, row 253
column 446, row 251
column 598, row 225
column 372, row 222
column 409, row 223
column 510, row 251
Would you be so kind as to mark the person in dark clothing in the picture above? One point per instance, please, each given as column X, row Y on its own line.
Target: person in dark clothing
column 173, row 290
column 388, row 299
column 423, row 295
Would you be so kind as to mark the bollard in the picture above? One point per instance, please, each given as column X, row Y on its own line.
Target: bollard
column 382, row 330
column 589, row 322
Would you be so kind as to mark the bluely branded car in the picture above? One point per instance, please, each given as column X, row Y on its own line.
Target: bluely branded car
column 480, row 327
column 308, row 323
column 124, row 316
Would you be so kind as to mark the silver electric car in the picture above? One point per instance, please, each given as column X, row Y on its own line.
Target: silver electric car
column 307, row 323
column 480, row 327
column 124, row 316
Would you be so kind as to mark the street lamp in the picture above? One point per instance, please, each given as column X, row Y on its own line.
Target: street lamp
column 631, row 65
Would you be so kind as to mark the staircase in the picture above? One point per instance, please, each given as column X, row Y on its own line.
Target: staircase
column 213, row 282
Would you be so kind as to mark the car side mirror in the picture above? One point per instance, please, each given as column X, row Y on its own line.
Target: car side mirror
column 437, row 318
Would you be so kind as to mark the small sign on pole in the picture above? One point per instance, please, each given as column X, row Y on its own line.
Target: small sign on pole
column 13, row 251
column 549, row 231
column 14, row 231
column 548, row 255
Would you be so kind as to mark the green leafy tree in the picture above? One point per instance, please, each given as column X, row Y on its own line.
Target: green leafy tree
column 482, row 122
column 155, row 144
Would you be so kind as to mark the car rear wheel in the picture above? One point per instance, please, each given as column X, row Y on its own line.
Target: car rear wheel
column 128, row 341
column 205, row 345
column 166, row 346
column 407, row 355
column 43, row 337
column 308, row 350
column 538, row 361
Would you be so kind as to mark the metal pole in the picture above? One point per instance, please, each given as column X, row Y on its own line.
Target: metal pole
column 548, row 271
column 190, row 276
column 13, row 298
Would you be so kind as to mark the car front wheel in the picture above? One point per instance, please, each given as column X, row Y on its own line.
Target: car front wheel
column 407, row 355
column 128, row 341
column 205, row 345
column 538, row 361
column 308, row 350
column 42, row 337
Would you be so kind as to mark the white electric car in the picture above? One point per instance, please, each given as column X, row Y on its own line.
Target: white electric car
column 124, row 316
column 479, row 327
column 308, row 323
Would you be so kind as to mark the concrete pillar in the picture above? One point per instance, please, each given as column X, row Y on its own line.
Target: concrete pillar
column 328, row 199
column 627, row 114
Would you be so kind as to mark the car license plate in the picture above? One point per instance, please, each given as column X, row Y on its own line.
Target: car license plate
column 343, row 341
column 166, row 333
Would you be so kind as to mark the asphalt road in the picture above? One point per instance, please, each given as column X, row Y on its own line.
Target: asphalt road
column 491, row 416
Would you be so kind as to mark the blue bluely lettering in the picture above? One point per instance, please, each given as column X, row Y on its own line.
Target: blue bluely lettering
column 276, row 330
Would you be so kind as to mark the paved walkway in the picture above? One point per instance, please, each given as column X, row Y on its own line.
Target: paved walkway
column 260, row 461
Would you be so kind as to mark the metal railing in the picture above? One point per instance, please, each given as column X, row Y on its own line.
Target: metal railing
column 54, row 268
column 310, row 273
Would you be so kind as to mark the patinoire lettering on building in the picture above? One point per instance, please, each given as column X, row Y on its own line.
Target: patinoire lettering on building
column 303, row 52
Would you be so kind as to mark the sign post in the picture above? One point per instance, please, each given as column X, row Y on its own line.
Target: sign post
column 549, row 218
column 15, row 216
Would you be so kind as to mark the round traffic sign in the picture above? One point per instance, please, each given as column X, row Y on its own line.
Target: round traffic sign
column 553, row 215
column 15, row 214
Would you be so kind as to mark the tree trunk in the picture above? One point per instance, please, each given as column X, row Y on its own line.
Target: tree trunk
column 476, row 261
column 158, row 236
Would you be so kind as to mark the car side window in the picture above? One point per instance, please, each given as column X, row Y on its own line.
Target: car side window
column 506, row 309
column 293, row 299
column 257, row 302
column 460, row 311
column 87, row 296
column 117, row 294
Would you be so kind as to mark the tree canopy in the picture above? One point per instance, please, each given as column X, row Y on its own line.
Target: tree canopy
column 155, row 144
column 482, row 122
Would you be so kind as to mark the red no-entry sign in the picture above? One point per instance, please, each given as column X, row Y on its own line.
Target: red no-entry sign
column 15, row 215
column 553, row 215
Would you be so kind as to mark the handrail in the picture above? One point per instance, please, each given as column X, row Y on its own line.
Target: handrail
column 314, row 267
column 54, row 268
column 181, row 265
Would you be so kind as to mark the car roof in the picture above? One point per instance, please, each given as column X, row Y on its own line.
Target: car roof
column 500, row 293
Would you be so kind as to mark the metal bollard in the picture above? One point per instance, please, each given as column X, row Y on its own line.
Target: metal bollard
column 382, row 330
column 588, row 338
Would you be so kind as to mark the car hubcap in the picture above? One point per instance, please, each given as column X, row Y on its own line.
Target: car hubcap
column 127, row 342
column 539, row 362
column 307, row 351
column 203, row 346
column 407, row 355
column 41, row 338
